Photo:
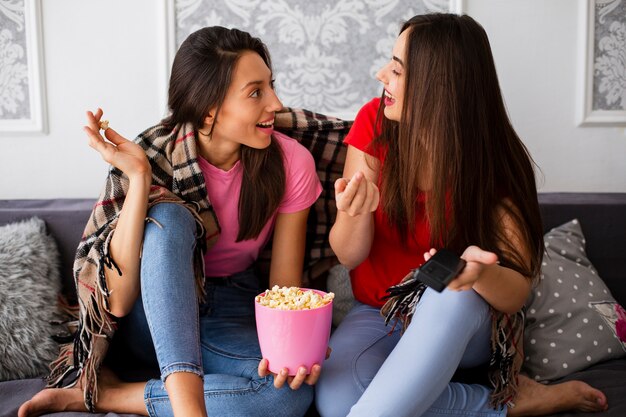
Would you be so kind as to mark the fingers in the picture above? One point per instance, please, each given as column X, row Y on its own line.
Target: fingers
column 95, row 140
column 340, row 185
column 312, row 378
column 114, row 137
column 281, row 378
column 294, row 382
column 297, row 381
column 476, row 254
column 429, row 254
column 359, row 196
column 263, row 368
column 93, row 120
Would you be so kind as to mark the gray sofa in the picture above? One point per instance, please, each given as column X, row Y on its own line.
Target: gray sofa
column 602, row 216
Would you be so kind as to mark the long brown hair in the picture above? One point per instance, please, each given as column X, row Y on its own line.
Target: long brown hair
column 454, row 127
column 201, row 74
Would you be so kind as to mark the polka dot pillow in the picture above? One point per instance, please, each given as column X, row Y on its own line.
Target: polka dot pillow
column 572, row 319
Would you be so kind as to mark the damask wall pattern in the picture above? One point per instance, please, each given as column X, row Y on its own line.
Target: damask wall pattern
column 14, row 83
column 324, row 52
column 609, row 69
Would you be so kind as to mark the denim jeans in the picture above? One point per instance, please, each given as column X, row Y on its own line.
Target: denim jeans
column 374, row 371
column 216, row 340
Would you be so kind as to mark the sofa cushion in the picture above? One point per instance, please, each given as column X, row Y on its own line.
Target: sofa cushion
column 29, row 287
column 571, row 315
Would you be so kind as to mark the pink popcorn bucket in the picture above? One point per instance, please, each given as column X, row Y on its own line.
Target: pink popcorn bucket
column 293, row 338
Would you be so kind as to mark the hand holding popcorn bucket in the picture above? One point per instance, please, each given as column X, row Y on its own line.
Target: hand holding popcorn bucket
column 293, row 325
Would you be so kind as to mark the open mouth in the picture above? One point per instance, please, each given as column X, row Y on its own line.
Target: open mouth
column 268, row 124
column 389, row 99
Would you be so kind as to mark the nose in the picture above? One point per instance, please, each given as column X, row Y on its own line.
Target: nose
column 381, row 75
column 274, row 103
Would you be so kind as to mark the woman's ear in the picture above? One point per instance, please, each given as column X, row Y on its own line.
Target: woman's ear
column 209, row 119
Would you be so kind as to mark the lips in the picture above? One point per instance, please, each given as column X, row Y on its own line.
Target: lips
column 266, row 127
column 389, row 99
column 266, row 124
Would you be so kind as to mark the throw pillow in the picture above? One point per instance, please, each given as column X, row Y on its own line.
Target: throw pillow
column 572, row 320
column 29, row 286
column 339, row 283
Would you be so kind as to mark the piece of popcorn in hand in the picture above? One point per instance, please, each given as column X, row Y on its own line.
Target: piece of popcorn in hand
column 104, row 124
column 293, row 298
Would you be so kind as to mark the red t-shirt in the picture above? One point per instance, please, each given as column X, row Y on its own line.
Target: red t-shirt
column 389, row 259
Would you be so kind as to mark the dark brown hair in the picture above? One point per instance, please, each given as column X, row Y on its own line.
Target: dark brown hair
column 201, row 74
column 454, row 127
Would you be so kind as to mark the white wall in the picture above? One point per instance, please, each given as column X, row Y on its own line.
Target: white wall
column 111, row 55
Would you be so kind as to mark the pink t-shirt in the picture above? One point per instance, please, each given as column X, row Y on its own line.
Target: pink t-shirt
column 302, row 188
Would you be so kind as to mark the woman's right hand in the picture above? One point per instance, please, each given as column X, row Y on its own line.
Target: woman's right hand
column 123, row 154
column 357, row 195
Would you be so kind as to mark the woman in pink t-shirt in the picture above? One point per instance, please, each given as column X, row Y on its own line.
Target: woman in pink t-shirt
column 212, row 175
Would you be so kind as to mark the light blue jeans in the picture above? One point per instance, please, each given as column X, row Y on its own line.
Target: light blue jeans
column 216, row 340
column 373, row 371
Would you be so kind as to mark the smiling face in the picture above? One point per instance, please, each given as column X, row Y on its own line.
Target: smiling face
column 246, row 116
column 392, row 75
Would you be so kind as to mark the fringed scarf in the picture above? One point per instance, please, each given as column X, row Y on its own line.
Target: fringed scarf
column 177, row 178
column 507, row 332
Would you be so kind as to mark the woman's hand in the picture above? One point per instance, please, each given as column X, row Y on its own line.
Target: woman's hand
column 478, row 261
column 123, row 154
column 357, row 195
column 296, row 381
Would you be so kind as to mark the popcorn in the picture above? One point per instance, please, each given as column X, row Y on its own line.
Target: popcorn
column 293, row 298
column 104, row 125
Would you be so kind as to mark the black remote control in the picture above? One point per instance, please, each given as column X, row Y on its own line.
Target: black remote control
column 440, row 269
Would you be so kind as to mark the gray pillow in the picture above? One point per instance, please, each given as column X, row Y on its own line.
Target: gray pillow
column 29, row 287
column 571, row 315
column 338, row 282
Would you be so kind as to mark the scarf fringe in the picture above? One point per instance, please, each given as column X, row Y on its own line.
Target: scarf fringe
column 506, row 356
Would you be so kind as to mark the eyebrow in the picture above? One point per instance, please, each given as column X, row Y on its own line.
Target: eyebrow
column 251, row 83
column 395, row 58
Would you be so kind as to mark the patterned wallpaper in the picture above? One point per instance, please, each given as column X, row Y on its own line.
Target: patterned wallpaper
column 14, row 85
column 609, row 75
column 324, row 52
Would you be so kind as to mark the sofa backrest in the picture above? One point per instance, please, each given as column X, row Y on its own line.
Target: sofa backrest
column 602, row 218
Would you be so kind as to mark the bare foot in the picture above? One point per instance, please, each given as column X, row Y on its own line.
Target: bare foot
column 53, row 400
column 113, row 396
column 535, row 399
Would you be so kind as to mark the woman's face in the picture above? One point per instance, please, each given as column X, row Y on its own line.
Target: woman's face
column 247, row 113
column 392, row 75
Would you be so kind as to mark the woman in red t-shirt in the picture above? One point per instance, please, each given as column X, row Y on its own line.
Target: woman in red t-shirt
column 436, row 165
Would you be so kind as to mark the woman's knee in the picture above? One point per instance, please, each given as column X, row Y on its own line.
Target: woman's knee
column 171, row 223
column 171, row 218
column 452, row 306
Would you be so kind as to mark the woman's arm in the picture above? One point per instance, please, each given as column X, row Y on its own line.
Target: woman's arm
column 357, row 197
column 125, row 245
column 503, row 288
column 288, row 249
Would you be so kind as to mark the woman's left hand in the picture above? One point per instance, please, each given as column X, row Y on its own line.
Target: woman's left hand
column 478, row 261
column 294, row 382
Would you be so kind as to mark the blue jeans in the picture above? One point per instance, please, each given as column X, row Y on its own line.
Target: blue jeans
column 374, row 371
column 216, row 340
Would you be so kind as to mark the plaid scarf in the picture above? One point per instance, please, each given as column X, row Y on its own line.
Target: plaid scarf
column 507, row 331
column 177, row 178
